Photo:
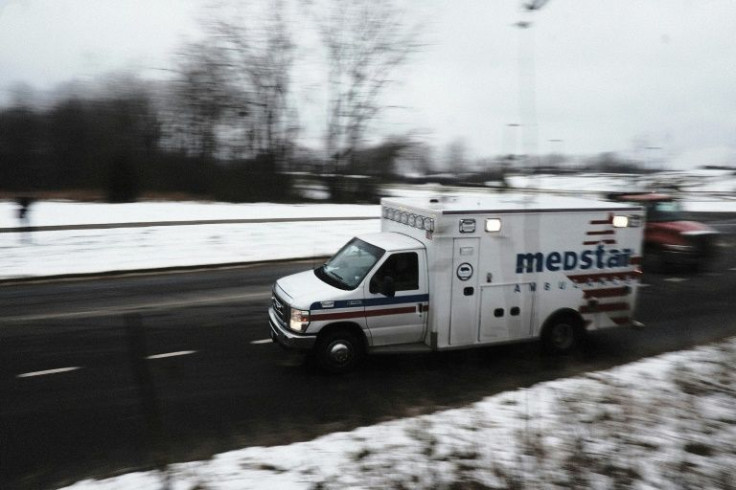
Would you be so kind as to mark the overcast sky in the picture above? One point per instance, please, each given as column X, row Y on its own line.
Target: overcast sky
column 609, row 75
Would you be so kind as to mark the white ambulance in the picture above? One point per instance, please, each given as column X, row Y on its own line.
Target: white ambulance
column 466, row 271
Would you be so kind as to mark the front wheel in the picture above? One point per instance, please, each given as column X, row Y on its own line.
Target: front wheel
column 561, row 336
column 338, row 351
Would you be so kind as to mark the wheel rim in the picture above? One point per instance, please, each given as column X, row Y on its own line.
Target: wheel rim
column 563, row 336
column 340, row 352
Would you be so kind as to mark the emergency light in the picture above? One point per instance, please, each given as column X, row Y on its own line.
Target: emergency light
column 493, row 225
column 620, row 221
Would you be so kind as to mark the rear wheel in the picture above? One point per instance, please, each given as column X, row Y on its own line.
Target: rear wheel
column 654, row 261
column 338, row 351
column 562, row 335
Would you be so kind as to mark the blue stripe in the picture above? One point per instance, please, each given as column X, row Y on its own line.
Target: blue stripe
column 355, row 303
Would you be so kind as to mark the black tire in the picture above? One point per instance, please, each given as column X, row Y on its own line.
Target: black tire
column 562, row 335
column 338, row 351
column 654, row 261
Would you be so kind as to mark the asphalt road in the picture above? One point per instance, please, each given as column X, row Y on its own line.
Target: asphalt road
column 103, row 376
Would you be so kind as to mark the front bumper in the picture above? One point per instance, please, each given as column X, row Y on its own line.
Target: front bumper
column 287, row 339
column 684, row 258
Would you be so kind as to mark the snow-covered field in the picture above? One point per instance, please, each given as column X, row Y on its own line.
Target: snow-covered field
column 667, row 422
column 688, row 184
column 47, row 253
column 89, row 251
column 50, row 213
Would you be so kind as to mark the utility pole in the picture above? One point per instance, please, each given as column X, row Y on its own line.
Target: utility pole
column 527, row 81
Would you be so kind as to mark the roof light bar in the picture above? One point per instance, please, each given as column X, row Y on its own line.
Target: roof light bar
column 413, row 220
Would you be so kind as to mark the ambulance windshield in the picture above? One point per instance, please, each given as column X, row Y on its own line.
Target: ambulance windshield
column 663, row 211
column 348, row 267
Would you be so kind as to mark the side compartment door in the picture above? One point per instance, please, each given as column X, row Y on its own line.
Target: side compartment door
column 506, row 312
column 464, row 307
column 397, row 299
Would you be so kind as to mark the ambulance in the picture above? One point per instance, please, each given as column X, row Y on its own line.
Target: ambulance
column 458, row 272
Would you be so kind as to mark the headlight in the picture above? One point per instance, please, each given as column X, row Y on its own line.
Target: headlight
column 299, row 320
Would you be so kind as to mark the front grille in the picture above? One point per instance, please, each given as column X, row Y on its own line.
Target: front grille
column 279, row 307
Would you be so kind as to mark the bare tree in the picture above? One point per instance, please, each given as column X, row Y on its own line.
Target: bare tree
column 366, row 42
column 269, row 71
column 456, row 156
column 202, row 96
column 238, row 77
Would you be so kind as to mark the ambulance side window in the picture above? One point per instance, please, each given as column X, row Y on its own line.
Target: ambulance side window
column 403, row 268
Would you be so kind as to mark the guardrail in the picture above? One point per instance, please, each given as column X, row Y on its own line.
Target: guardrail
column 151, row 224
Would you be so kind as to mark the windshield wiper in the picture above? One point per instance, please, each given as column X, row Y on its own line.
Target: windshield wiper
column 336, row 275
column 331, row 278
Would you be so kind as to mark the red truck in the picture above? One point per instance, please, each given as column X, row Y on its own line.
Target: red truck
column 669, row 238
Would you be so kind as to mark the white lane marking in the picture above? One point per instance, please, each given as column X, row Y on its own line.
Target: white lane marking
column 263, row 341
column 139, row 307
column 732, row 269
column 642, row 285
column 48, row 371
column 675, row 279
column 172, row 354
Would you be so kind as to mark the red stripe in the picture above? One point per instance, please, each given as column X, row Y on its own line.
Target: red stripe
column 623, row 320
column 583, row 278
column 337, row 316
column 606, row 292
column 368, row 313
column 391, row 311
column 601, row 222
column 614, row 307
column 607, row 242
column 602, row 232
column 604, row 307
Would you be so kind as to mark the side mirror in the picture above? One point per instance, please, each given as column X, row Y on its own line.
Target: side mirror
column 388, row 288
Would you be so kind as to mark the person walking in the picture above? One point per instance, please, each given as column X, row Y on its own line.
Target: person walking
column 24, row 206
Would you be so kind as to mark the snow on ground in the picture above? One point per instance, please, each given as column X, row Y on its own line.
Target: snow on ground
column 49, row 213
column 697, row 185
column 691, row 185
column 47, row 253
column 89, row 251
column 662, row 423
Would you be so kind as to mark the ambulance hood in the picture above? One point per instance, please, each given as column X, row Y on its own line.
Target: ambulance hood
column 683, row 227
column 303, row 289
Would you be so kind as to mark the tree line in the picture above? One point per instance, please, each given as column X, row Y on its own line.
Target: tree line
column 226, row 124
